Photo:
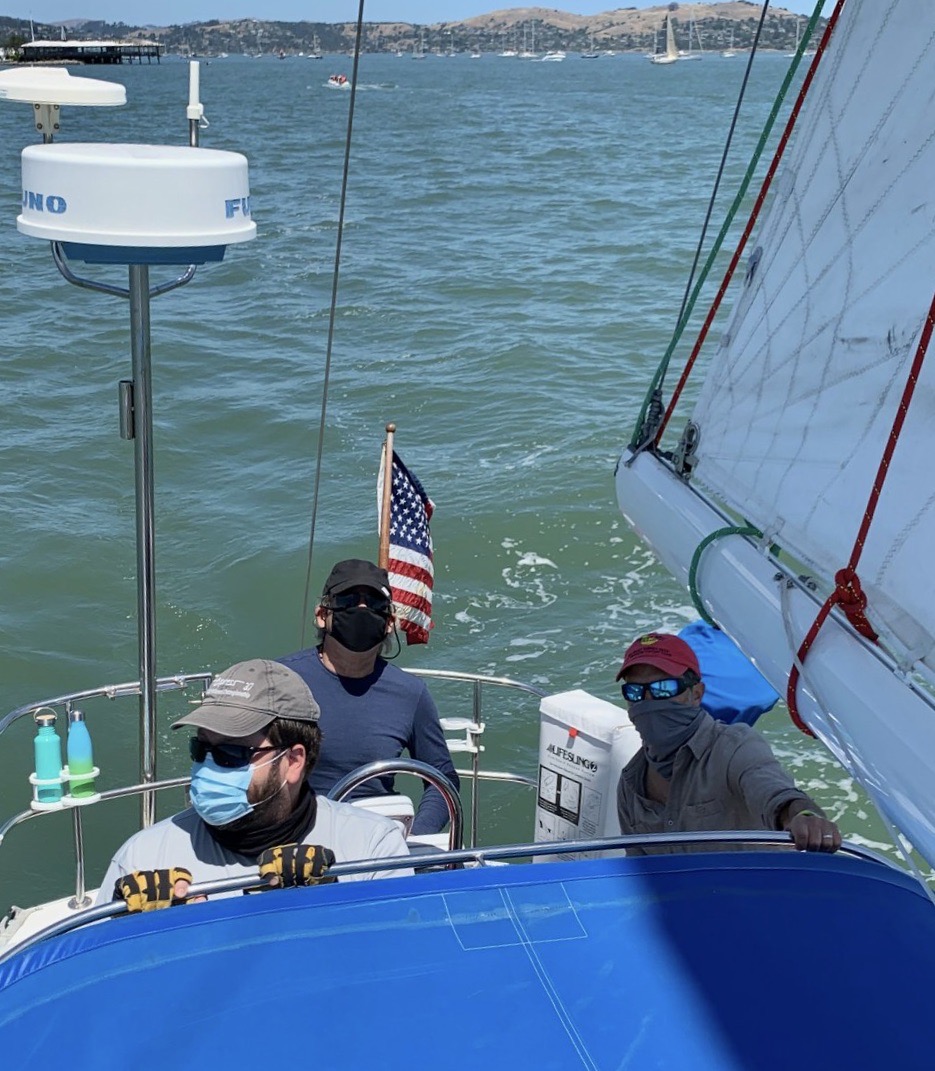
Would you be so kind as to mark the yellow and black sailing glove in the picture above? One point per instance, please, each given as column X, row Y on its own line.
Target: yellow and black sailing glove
column 148, row 890
column 296, row 864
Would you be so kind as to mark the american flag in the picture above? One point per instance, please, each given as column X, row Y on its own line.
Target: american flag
column 410, row 563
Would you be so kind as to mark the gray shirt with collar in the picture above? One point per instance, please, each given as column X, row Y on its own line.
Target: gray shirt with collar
column 725, row 777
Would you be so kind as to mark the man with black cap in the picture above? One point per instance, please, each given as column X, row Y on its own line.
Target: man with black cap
column 257, row 737
column 694, row 773
column 370, row 709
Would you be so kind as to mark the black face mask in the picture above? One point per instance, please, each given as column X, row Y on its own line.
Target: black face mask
column 358, row 629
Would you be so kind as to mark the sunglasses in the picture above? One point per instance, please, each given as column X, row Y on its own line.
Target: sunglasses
column 350, row 600
column 667, row 688
column 230, row 756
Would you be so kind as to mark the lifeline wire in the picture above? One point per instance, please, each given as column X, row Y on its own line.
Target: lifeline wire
column 331, row 317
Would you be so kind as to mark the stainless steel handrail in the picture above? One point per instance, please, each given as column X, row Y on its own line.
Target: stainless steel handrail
column 179, row 682
column 478, row 680
column 457, row 859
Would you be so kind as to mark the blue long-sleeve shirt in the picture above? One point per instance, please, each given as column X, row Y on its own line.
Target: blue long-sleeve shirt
column 376, row 717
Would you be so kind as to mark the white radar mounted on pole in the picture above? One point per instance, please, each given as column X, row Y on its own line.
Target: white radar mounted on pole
column 136, row 204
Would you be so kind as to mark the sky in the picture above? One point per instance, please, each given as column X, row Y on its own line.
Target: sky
column 166, row 12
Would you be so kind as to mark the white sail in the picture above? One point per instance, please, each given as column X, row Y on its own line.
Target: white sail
column 804, row 388
column 796, row 409
column 671, row 53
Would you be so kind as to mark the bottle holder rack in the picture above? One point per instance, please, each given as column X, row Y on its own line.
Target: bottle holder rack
column 67, row 799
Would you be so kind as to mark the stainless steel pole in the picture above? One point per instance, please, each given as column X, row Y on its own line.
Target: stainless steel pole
column 145, row 529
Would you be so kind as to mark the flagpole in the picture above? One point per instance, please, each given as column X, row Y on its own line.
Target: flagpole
column 384, row 553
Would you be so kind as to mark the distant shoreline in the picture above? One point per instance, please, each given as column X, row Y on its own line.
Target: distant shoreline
column 708, row 27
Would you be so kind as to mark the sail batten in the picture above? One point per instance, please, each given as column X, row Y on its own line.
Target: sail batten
column 802, row 393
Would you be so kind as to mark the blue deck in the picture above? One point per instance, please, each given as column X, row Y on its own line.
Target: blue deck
column 748, row 960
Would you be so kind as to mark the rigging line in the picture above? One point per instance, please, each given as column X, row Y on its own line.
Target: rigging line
column 331, row 318
column 847, row 591
column 761, row 196
column 837, row 731
column 720, row 171
column 682, row 317
column 654, row 392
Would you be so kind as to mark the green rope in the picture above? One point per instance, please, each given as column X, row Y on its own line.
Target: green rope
column 734, row 529
column 660, row 374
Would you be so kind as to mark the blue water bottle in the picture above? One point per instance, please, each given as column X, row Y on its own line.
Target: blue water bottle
column 80, row 756
column 48, row 751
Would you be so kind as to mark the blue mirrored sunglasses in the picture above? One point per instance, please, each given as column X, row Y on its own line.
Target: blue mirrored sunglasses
column 667, row 688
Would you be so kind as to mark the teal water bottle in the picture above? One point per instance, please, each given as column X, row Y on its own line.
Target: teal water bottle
column 80, row 756
column 48, row 750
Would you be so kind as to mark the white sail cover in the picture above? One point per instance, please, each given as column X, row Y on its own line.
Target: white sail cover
column 795, row 412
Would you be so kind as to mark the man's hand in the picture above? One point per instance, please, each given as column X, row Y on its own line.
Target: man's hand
column 289, row 865
column 812, row 832
column 148, row 890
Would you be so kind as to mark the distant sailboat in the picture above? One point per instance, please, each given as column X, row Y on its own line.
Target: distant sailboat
column 316, row 48
column 529, row 53
column 692, row 33
column 418, row 52
column 729, row 52
column 590, row 54
column 671, row 53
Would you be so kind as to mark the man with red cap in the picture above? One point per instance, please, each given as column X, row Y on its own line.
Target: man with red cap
column 694, row 773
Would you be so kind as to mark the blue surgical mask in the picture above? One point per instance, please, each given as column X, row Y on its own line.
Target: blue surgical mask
column 219, row 794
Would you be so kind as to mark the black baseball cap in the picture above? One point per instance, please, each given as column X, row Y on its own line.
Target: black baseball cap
column 356, row 573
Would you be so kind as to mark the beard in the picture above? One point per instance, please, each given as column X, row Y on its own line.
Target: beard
column 270, row 806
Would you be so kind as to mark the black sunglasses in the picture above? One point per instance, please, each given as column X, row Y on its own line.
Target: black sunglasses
column 667, row 688
column 230, row 756
column 350, row 600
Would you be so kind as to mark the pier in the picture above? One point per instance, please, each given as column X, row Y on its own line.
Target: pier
column 91, row 51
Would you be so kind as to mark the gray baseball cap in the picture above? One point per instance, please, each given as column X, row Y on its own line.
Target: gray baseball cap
column 244, row 699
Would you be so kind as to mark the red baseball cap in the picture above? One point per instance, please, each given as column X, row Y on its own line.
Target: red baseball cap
column 662, row 651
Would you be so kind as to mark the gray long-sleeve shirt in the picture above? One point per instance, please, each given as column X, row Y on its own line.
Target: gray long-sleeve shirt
column 724, row 777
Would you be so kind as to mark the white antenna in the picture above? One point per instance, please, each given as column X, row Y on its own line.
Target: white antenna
column 195, row 110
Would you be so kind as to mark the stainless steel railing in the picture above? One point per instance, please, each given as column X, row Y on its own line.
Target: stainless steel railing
column 457, row 859
column 472, row 727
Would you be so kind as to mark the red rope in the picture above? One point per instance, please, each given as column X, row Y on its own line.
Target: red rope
column 751, row 222
column 848, row 593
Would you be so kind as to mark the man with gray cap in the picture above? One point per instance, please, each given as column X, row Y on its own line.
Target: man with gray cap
column 371, row 709
column 257, row 737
